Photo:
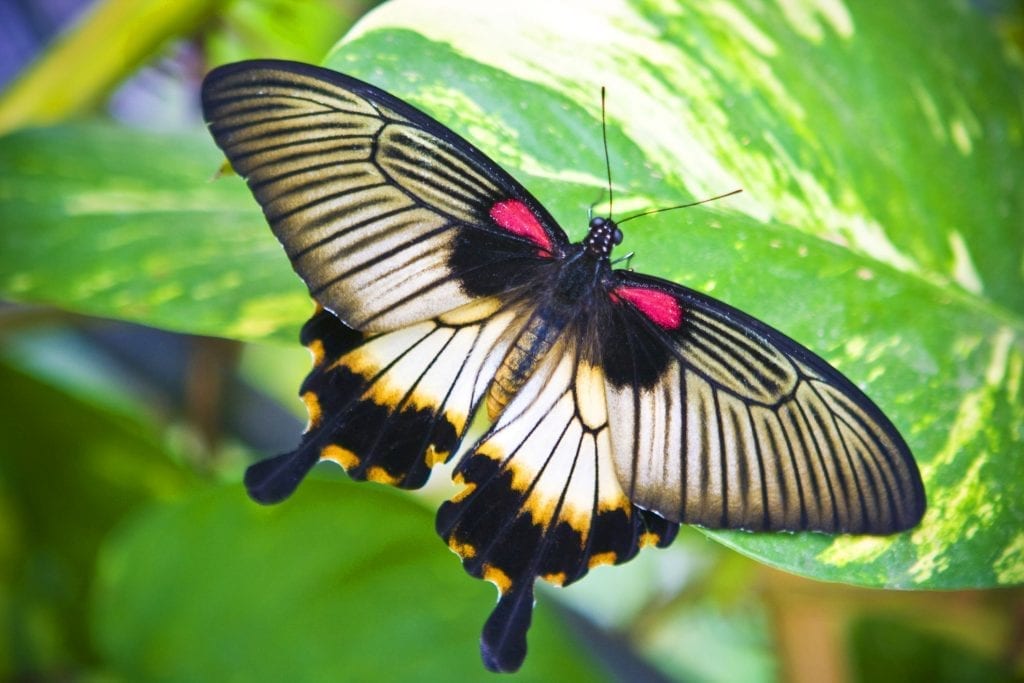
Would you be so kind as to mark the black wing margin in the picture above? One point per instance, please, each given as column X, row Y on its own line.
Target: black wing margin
column 725, row 422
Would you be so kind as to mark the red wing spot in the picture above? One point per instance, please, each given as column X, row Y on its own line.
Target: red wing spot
column 662, row 309
column 515, row 217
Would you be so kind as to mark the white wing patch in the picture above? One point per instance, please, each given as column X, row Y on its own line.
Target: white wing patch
column 391, row 407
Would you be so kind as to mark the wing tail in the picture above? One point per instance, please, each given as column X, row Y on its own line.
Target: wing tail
column 503, row 641
column 274, row 479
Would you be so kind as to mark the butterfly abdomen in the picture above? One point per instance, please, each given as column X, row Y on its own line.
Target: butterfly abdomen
column 566, row 297
column 529, row 347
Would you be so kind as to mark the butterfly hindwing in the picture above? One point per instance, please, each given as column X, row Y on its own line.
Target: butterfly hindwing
column 388, row 407
column 725, row 422
column 388, row 216
column 541, row 498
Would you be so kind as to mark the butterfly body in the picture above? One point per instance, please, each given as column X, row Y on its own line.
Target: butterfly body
column 622, row 404
column 566, row 301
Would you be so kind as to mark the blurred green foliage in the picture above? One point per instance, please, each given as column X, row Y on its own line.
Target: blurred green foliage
column 879, row 147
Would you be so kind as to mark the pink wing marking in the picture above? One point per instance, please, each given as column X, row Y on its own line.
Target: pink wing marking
column 662, row 309
column 515, row 217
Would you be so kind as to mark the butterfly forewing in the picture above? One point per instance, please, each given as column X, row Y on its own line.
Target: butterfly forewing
column 725, row 422
column 388, row 217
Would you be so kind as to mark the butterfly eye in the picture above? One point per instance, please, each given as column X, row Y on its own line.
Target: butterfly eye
column 596, row 222
column 617, row 236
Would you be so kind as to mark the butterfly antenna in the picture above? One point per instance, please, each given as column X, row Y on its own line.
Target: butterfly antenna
column 680, row 206
column 607, row 158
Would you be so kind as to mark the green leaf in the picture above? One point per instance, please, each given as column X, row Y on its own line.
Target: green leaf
column 878, row 146
column 343, row 582
column 120, row 223
column 69, row 471
column 885, row 649
column 281, row 28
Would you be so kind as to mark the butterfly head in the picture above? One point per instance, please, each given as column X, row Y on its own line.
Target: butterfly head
column 602, row 237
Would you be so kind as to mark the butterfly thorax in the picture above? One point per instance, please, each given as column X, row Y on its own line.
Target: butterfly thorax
column 568, row 298
column 533, row 342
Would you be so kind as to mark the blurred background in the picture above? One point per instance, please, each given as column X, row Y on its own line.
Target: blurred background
column 128, row 550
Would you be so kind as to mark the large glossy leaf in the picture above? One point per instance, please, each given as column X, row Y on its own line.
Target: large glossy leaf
column 878, row 146
column 345, row 582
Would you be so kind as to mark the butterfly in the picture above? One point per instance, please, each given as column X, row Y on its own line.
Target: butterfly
column 621, row 404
